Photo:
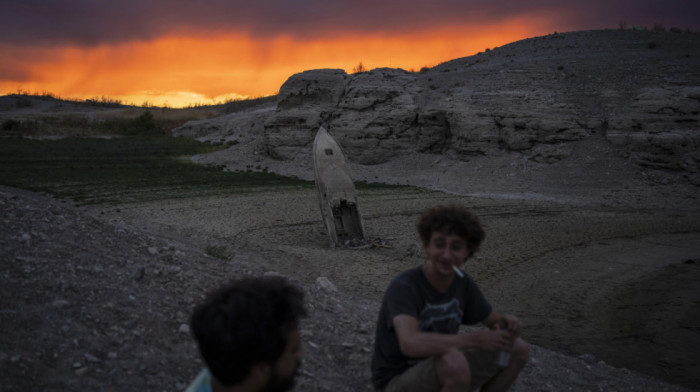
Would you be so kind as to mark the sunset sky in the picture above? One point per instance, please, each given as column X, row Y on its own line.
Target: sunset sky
column 182, row 52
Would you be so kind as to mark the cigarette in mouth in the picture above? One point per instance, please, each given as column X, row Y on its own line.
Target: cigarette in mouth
column 458, row 271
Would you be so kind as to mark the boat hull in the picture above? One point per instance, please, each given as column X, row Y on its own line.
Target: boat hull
column 336, row 191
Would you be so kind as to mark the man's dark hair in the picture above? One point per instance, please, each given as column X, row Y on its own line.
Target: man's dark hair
column 246, row 323
column 451, row 219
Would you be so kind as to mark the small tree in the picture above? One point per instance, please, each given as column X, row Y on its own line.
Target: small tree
column 145, row 125
column 359, row 68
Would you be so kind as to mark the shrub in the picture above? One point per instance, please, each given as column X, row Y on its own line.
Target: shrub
column 104, row 102
column 11, row 125
column 219, row 252
column 359, row 68
column 144, row 124
column 659, row 27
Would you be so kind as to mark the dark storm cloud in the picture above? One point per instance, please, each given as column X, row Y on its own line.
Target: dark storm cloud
column 91, row 22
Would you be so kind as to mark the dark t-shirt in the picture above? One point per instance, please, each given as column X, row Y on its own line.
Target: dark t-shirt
column 411, row 294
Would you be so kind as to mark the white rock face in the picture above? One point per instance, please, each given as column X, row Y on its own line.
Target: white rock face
column 537, row 98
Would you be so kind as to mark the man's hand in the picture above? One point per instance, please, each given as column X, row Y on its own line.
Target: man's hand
column 504, row 322
column 511, row 323
column 414, row 343
column 495, row 339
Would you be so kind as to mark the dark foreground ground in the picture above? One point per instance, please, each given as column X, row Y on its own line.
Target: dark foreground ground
column 98, row 303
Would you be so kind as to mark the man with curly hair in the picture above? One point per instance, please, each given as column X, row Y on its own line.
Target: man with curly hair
column 418, row 346
column 248, row 335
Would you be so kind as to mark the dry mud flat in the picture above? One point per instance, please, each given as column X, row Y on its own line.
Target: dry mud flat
column 617, row 284
column 99, row 298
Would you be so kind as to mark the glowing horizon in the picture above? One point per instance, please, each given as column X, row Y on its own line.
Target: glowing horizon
column 181, row 71
column 177, row 53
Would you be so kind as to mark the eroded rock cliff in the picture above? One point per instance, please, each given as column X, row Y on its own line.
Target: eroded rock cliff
column 538, row 99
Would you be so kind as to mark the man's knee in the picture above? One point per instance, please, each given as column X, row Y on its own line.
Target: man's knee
column 520, row 352
column 452, row 369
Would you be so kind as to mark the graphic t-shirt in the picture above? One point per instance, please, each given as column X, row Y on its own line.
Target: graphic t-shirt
column 411, row 294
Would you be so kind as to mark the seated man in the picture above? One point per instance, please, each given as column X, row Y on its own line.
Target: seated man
column 417, row 345
column 248, row 335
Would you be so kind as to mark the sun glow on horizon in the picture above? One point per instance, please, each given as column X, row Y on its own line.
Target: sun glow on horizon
column 185, row 71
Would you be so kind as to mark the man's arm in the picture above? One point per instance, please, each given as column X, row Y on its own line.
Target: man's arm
column 414, row 343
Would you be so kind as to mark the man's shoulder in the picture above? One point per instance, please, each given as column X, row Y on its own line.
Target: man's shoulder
column 408, row 282
column 410, row 276
column 467, row 280
column 202, row 383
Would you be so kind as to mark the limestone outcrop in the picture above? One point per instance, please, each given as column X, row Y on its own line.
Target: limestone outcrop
column 537, row 98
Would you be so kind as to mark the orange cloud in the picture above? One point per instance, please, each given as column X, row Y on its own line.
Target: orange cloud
column 180, row 71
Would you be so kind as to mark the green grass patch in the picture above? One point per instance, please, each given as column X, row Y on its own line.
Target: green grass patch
column 126, row 169
column 143, row 124
column 219, row 252
column 379, row 186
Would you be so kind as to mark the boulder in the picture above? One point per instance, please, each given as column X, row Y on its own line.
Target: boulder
column 323, row 87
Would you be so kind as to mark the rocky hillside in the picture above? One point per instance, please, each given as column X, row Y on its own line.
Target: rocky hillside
column 540, row 99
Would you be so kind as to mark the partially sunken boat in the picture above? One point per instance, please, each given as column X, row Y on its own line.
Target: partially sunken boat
column 336, row 191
